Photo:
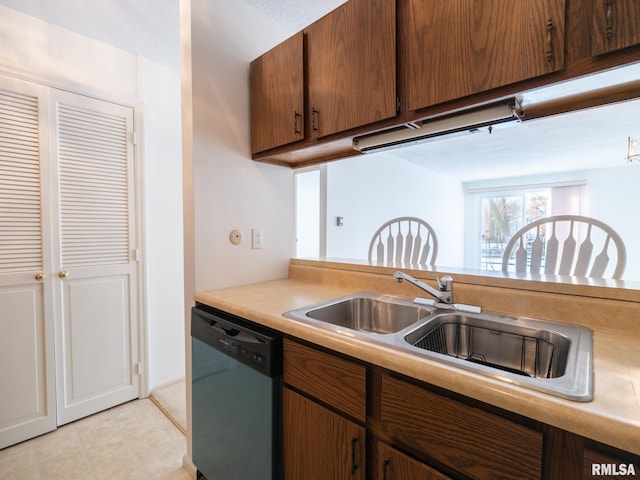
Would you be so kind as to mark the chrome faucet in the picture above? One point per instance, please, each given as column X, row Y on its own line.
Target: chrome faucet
column 444, row 295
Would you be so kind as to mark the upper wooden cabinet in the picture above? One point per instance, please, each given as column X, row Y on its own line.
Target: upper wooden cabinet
column 461, row 47
column 277, row 96
column 615, row 25
column 351, row 55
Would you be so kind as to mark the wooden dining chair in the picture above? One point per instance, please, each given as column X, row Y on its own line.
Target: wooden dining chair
column 408, row 240
column 567, row 245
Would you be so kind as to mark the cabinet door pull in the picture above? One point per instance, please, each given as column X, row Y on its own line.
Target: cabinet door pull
column 385, row 465
column 609, row 28
column 354, row 465
column 549, row 40
column 296, row 123
column 314, row 120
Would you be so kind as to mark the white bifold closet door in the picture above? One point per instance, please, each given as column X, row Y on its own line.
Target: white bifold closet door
column 27, row 379
column 96, row 301
column 68, row 258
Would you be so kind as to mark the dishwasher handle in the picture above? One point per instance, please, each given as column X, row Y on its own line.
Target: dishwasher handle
column 254, row 345
column 235, row 334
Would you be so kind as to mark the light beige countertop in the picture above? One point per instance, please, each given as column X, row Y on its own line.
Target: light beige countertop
column 613, row 417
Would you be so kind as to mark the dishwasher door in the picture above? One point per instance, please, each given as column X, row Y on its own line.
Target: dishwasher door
column 236, row 397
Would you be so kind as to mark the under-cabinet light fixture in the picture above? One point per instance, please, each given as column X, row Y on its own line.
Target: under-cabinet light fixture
column 634, row 150
column 463, row 123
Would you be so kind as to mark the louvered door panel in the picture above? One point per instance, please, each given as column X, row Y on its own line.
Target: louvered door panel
column 20, row 224
column 96, row 348
column 27, row 401
column 94, row 188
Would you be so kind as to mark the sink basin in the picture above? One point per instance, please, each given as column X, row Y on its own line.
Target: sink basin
column 531, row 352
column 549, row 357
column 365, row 312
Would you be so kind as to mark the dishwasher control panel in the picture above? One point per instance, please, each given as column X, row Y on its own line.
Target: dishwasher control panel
column 252, row 344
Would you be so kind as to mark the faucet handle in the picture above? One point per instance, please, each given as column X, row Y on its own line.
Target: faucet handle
column 445, row 284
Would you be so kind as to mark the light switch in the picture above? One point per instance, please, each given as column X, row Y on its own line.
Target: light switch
column 257, row 238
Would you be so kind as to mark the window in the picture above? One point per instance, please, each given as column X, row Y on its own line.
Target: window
column 502, row 216
column 502, row 212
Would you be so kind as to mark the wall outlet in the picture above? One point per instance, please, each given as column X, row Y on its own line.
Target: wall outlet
column 257, row 238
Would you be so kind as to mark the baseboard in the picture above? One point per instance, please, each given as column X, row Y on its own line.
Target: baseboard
column 188, row 465
column 167, row 384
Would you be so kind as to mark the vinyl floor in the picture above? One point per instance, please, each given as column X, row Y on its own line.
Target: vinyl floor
column 132, row 441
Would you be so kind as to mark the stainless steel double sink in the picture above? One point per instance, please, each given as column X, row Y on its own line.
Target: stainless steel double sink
column 550, row 357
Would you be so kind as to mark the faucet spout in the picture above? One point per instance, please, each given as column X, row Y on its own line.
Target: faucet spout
column 444, row 295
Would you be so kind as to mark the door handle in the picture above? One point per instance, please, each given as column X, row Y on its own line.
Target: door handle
column 63, row 274
column 354, row 463
column 40, row 276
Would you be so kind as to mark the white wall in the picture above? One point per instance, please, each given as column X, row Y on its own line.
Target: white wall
column 223, row 188
column 159, row 89
column 369, row 190
column 613, row 197
column 61, row 58
column 230, row 190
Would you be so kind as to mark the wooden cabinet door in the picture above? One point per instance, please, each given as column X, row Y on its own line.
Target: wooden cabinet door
column 319, row 443
column 352, row 66
column 476, row 443
column 461, row 47
column 277, row 100
column 395, row 465
column 616, row 25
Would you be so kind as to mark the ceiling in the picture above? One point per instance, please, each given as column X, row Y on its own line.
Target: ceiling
column 148, row 28
column 587, row 139
column 295, row 14
column 151, row 28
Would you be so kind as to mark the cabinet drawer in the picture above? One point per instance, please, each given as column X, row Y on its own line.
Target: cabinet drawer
column 479, row 444
column 332, row 380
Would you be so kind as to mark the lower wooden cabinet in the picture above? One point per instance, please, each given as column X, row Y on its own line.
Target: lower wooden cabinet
column 343, row 419
column 395, row 465
column 319, row 443
column 474, row 442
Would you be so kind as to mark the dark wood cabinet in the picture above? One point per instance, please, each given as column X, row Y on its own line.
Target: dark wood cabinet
column 457, row 48
column 319, row 443
column 396, row 465
column 277, row 96
column 330, row 379
column 343, row 419
column 467, row 439
column 351, row 55
column 616, row 25
column 377, row 64
column 323, row 430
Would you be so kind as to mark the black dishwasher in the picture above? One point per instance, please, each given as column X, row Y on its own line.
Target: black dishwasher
column 236, row 397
